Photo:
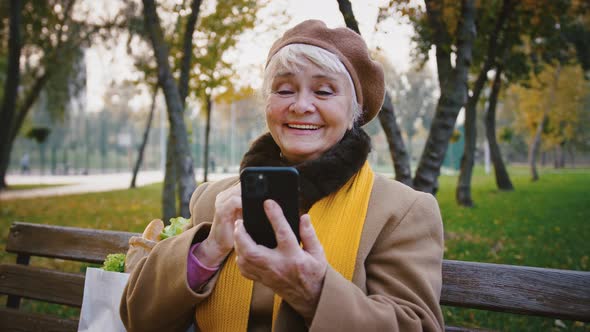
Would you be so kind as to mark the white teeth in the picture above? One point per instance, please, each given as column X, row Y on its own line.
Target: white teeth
column 306, row 127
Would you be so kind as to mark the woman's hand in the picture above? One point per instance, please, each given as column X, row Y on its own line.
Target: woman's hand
column 228, row 209
column 294, row 273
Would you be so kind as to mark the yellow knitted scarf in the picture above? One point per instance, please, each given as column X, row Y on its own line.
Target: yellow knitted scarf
column 338, row 220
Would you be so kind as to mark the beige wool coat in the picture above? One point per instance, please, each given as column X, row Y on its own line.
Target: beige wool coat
column 396, row 284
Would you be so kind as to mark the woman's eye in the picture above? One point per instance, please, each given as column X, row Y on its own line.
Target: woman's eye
column 284, row 92
column 324, row 93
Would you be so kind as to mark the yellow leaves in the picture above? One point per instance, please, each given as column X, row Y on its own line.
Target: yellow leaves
column 584, row 262
column 560, row 324
column 530, row 100
column 408, row 11
column 451, row 14
column 231, row 94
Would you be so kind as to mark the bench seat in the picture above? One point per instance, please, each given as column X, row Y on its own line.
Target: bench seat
column 560, row 294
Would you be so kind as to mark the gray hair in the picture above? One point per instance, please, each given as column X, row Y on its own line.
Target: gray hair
column 294, row 56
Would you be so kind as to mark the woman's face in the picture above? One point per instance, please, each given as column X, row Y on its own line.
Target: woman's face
column 308, row 111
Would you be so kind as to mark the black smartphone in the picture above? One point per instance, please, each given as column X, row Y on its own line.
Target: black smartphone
column 281, row 184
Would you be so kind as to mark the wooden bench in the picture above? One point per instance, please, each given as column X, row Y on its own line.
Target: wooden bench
column 523, row 290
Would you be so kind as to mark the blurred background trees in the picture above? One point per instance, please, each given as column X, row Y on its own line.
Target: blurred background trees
column 503, row 38
column 503, row 80
column 50, row 46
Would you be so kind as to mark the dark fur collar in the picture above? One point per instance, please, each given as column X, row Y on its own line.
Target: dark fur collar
column 319, row 177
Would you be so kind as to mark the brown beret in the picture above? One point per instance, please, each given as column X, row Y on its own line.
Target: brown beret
column 350, row 48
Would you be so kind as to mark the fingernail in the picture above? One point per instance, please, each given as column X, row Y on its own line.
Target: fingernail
column 268, row 203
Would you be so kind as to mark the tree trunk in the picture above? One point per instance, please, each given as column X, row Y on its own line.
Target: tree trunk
column 184, row 161
column 502, row 178
column 463, row 191
column 12, row 128
column 146, row 135
column 17, row 122
column 5, row 152
column 559, row 161
column 397, row 150
column 29, row 100
column 170, row 183
column 570, row 149
column 187, row 49
column 562, row 155
column 10, row 88
column 172, row 178
column 348, row 15
column 536, row 143
column 453, row 85
column 534, row 147
column 206, row 149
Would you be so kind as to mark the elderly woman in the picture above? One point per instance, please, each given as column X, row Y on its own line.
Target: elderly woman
column 371, row 248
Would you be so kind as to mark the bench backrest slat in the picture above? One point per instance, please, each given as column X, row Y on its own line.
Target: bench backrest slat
column 42, row 284
column 15, row 320
column 517, row 289
column 71, row 243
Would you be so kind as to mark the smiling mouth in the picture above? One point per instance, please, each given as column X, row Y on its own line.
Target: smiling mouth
column 303, row 126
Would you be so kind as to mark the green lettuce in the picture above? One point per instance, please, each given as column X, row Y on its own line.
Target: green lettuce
column 176, row 226
column 114, row 263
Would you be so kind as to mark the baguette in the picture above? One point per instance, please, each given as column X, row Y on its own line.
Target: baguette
column 153, row 230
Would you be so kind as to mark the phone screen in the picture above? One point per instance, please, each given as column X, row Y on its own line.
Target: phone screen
column 280, row 184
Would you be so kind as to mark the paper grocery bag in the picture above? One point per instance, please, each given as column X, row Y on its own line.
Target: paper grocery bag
column 100, row 304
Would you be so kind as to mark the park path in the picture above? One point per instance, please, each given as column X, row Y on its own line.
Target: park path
column 77, row 184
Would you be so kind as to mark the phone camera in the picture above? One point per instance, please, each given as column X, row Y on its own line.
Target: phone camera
column 256, row 185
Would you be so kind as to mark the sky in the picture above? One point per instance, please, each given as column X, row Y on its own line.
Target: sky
column 394, row 38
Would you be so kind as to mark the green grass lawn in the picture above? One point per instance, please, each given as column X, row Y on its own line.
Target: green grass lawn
column 542, row 224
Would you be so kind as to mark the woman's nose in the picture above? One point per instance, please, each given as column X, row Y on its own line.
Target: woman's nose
column 303, row 103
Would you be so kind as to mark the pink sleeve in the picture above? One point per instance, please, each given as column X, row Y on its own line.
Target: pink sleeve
column 197, row 273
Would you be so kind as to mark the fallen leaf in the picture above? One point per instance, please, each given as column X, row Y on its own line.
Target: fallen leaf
column 560, row 324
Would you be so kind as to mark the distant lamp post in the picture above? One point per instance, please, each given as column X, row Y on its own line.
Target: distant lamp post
column 40, row 134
